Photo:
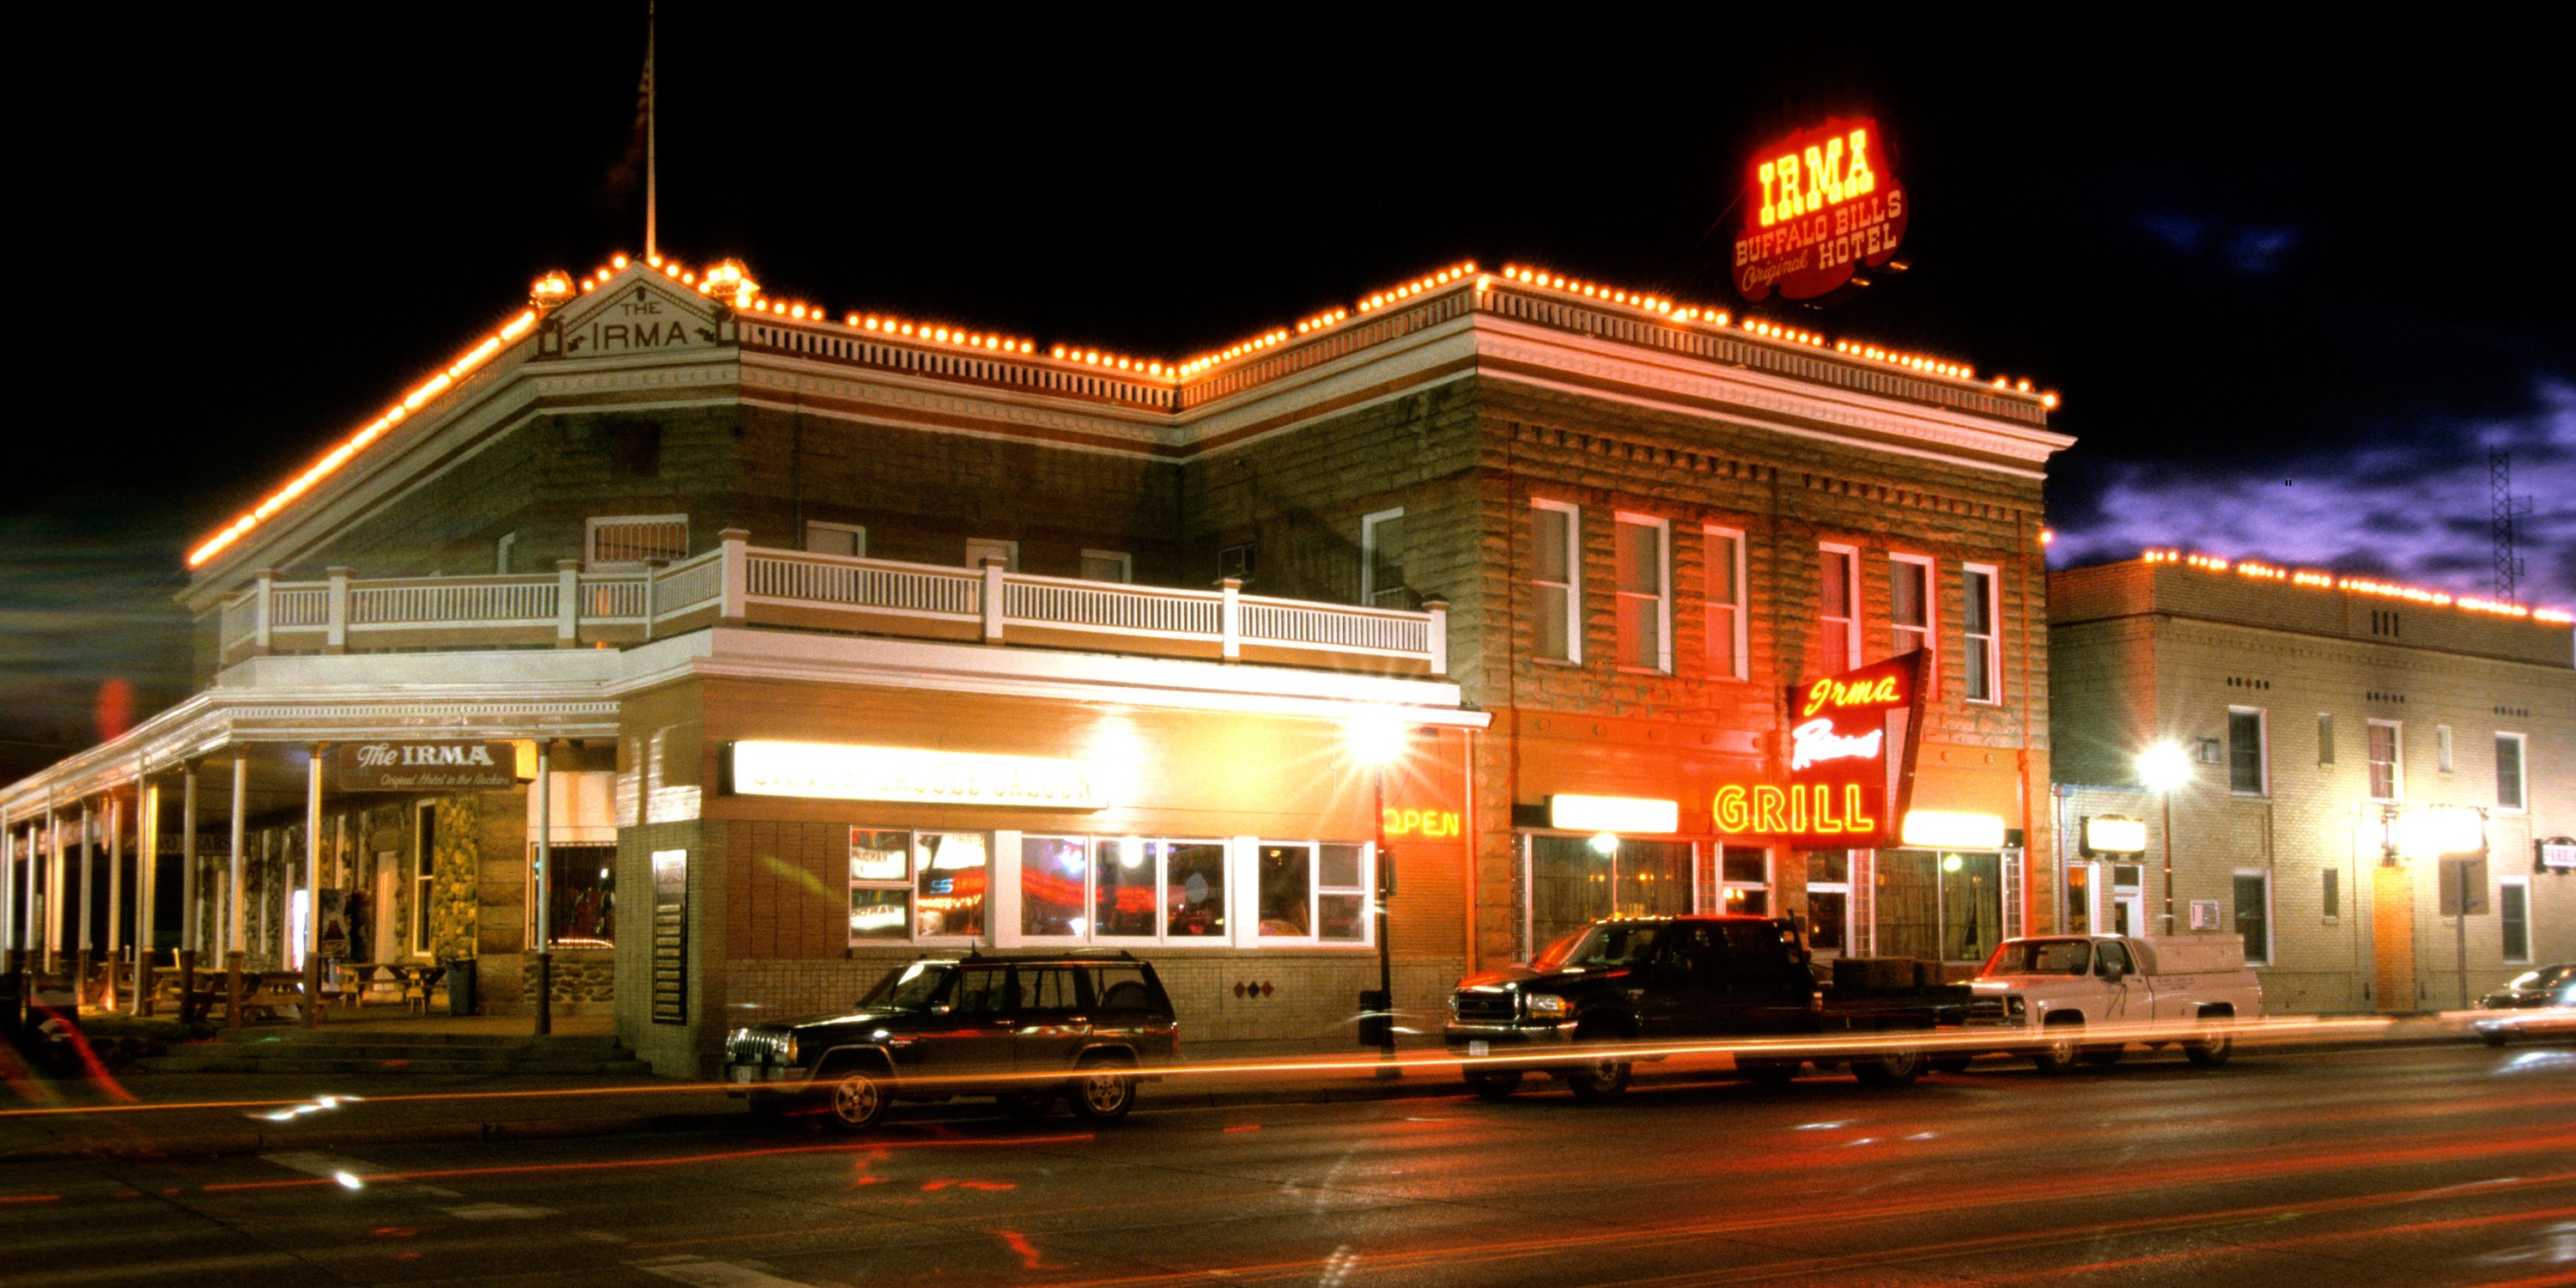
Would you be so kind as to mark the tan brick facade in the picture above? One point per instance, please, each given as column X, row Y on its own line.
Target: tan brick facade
column 2149, row 651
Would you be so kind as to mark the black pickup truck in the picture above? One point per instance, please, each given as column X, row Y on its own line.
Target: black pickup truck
column 1645, row 987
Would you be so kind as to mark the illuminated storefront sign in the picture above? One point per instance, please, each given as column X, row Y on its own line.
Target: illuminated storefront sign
column 830, row 772
column 1850, row 756
column 2112, row 834
column 2557, row 854
column 1614, row 814
column 1425, row 823
column 1941, row 829
column 476, row 766
column 1821, row 204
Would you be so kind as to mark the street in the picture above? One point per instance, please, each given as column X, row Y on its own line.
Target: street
column 2443, row 1165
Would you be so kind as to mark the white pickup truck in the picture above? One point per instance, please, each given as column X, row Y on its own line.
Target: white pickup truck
column 2063, row 998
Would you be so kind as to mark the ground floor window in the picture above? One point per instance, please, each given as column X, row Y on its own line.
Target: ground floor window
column 949, row 881
column 1577, row 879
column 1311, row 891
column 880, row 886
column 2513, row 908
column 2254, row 915
column 424, row 876
column 1744, row 880
column 1944, row 905
column 581, row 897
column 1829, row 901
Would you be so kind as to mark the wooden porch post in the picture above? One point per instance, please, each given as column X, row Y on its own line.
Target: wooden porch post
column 545, row 881
column 233, row 920
column 147, row 880
column 312, row 887
column 88, row 909
column 115, row 898
column 191, row 928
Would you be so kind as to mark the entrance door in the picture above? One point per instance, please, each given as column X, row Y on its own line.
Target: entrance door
column 2129, row 912
column 2392, row 938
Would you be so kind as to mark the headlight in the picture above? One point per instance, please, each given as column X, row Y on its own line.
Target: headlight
column 1549, row 1004
column 790, row 1051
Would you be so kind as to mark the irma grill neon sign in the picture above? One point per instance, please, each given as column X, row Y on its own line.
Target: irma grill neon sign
column 1846, row 756
column 1822, row 203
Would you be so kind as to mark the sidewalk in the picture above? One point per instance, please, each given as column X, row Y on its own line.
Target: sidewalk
column 145, row 1117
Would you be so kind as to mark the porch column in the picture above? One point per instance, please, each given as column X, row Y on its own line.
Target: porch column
column 31, row 940
column 88, row 907
column 233, row 920
column 312, row 887
column 147, row 880
column 545, row 881
column 54, row 892
column 8, row 895
column 115, row 897
column 191, row 928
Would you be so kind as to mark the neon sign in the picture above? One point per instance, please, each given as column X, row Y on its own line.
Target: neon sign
column 1849, row 758
column 1822, row 203
column 1426, row 823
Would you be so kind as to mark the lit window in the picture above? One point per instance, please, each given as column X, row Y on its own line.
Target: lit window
column 1557, row 579
column 1982, row 609
column 950, row 871
column 1838, row 609
column 1909, row 606
column 2387, row 777
column 1053, row 893
column 2509, row 772
column 1645, row 599
column 2248, row 762
column 1726, row 619
column 1382, row 550
column 880, row 885
column 1312, row 892
column 1156, row 889
column 1743, row 880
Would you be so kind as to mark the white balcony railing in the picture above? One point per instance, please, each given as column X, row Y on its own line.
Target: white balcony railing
column 739, row 584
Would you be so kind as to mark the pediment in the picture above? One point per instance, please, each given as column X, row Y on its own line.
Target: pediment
column 638, row 312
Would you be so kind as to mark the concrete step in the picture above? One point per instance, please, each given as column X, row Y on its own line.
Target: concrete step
column 373, row 1037
column 224, row 1063
column 497, row 1057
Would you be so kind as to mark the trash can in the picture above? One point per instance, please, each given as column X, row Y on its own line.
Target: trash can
column 460, row 986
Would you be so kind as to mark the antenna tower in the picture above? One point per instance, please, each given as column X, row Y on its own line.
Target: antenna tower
column 2505, row 507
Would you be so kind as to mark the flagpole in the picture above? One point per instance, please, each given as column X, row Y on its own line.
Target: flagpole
column 652, row 246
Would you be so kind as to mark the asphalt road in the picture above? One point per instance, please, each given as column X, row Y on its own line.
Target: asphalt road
column 2419, row 1166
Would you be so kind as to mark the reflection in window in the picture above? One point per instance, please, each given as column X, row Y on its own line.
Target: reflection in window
column 1194, row 889
column 1941, row 905
column 581, row 896
column 1287, row 891
column 1311, row 890
column 1122, row 888
column 1572, row 883
column 880, row 885
column 1051, row 885
column 949, row 880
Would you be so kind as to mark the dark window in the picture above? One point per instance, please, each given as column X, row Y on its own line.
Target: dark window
column 2332, row 897
column 1047, row 990
column 2254, row 916
column 2245, row 752
column 2325, row 739
column 983, row 990
column 1120, row 990
column 581, row 897
column 2509, row 793
column 2516, row 921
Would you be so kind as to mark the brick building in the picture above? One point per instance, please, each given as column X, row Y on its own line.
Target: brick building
column 2335, row 730
column 846, row 636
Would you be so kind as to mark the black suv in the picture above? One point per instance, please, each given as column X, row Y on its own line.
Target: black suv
column 1024, row 1028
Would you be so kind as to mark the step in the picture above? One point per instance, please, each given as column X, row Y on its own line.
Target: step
column 372, row 1037
column 497, row 1057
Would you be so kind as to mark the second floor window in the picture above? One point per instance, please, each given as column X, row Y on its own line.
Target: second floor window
column 1645, row 599
column 1726, row 626
column 1382, row 583
column 2386, row 778
column 1909, row 602
column 2248, row 768
column 1838, row 611
column 628, row 540
column 1985, row 670
column 2509, row 772
column 1556, row 580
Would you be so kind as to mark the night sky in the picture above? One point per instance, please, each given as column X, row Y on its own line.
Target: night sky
column 2291, row 286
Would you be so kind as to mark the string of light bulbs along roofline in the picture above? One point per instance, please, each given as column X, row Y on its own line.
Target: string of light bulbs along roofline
column 2317, row 579
column 729, row 279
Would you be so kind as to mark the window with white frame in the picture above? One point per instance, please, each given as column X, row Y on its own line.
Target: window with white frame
column 2249, row 762
column 836, row 539
column 2254, row 916
column 2387, row 775
column 1157, row 890
column 424, row 876
column 1829, row 901
column 1743, row 880
column 2513, row 917
column 1556, row 580
column 952, row 873
column 1909, row 606
column 627, row 540
column 1981, row 609
column 1643, row 576
column 983, row 550
column 2510, row 780
column 1727, row 630
column 1838, row 608
column 1382, row 583
column 1311, row 892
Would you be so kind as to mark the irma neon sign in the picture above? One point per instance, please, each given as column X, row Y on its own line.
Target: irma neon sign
column 1822, row 203
column 1850, row 749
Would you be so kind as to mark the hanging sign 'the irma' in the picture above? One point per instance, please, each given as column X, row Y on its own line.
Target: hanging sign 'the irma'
column 1819, row 205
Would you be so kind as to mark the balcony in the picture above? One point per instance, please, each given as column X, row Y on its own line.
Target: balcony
column 740, row 584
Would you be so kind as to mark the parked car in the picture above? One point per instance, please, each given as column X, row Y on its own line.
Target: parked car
column 1024, row 1028
column 2552, row 1016
column 2044, row 996
column 2530, row 988
column 1689, row 979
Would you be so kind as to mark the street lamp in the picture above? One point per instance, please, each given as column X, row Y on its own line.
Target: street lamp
column 2163, row 767
column 1376, row 738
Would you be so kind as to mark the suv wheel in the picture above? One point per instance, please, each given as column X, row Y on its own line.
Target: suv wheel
column 1105, row 1090
column 859, row 1099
